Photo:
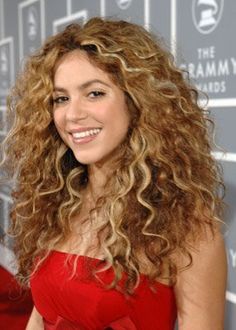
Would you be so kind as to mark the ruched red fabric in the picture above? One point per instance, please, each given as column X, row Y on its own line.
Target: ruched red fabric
column 83, row 301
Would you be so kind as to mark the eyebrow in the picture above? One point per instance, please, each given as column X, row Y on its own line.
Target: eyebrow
column 83, row 86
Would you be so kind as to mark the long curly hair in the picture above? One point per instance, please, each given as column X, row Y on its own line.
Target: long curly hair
column 165, row 186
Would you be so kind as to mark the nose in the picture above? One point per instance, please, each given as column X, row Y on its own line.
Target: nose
column 75, row 110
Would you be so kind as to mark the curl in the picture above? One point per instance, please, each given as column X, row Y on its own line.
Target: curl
column 164, row 185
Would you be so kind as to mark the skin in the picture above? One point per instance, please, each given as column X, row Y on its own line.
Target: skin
column 85, row 97
column 35, row 321
column 200, row 289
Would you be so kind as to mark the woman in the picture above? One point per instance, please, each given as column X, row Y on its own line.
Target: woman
column 116, row 207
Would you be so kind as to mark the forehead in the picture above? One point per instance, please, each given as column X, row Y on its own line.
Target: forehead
column 77, row 60
column 78, row 66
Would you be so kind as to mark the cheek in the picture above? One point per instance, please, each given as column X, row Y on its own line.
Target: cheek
column 59, row 124
column 58, row 120
column 124, row 120
column 118, row 117
column 119, row 127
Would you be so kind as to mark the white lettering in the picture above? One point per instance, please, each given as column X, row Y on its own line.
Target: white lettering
column 223, row 87
column 233, row 61
column 199, row 71
column 206, row 53
column 210, row 69
column 191, row 70
column 223, row 68
column 213, row 87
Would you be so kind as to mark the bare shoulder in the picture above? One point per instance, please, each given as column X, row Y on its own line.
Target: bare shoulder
column 200, row 289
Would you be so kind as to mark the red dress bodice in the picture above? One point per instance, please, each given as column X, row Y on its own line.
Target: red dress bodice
column 82, row 302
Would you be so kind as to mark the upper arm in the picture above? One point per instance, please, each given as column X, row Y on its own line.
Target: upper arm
column 35, row 321
column 200, row 289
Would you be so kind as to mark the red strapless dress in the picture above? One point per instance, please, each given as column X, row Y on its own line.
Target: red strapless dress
column 82, row 302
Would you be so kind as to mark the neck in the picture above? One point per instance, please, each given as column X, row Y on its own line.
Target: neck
column 97, row 179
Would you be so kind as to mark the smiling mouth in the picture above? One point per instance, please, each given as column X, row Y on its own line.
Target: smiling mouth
column 84, row 134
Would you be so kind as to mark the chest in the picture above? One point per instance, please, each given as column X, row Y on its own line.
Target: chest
column 84, row 238
column 86, row 302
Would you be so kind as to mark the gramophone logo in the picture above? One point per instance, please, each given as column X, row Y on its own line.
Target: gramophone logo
column 123, row 4
column 32, row 23
column 207, row 14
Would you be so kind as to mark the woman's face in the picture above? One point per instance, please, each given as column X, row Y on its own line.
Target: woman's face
column 90, row 111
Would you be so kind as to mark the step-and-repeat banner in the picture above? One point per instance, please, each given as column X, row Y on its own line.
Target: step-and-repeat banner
column 200, row 34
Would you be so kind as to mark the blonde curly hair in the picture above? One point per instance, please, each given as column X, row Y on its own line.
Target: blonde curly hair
column 165, row 187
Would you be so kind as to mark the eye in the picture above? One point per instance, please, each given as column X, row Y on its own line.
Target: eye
column 60, row 99
column 96, row 94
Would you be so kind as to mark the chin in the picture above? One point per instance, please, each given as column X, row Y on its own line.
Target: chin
column 93, row 159
column 88, row 160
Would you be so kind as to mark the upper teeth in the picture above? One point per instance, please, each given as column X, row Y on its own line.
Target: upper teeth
column 83, row 134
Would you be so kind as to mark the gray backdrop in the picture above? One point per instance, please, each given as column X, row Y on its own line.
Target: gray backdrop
column 201, row 37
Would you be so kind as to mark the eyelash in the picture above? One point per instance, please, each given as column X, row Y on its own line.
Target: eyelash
column 96, row 94
column 93, row 95
column 60, row 99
